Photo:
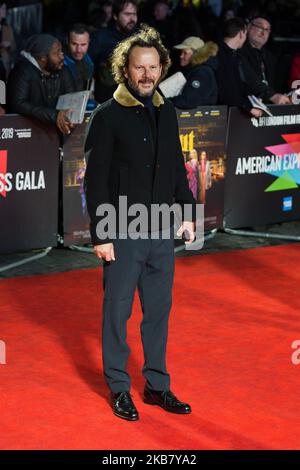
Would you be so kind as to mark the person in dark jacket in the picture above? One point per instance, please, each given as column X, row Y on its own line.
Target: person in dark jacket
column 198, row 65
column 261, row 60
column 161, row 21
column 79, row 62
column 234, row 77
column 77, row 58
column 7, row 40
column 37, row 81
column 105, row 40
column 133, row 149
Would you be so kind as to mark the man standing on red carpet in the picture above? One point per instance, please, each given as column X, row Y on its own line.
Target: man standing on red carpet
column 133, row 151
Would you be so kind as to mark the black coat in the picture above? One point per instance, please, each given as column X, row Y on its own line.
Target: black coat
column 34, row 94
column 235, row 78
column 201, row 87
column 124, row 160
column 263, row 65
column 104, row 41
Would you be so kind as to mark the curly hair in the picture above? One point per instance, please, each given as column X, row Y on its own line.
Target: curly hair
column 145, row 37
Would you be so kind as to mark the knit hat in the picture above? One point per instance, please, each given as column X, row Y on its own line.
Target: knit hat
column 192, row 42
column 39, row 45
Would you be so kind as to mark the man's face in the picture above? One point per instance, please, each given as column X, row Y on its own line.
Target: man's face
column 107, row 9
column 3, row 11
column 144, row 70
column 161, row 11
column 186, row 57
column 259, row 32
column 127, row 18
column 78, row 45
column 55, row 58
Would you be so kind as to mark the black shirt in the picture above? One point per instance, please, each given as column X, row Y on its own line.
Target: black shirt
column 262, row 64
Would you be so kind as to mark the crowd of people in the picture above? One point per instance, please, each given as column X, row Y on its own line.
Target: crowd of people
column 222, row 62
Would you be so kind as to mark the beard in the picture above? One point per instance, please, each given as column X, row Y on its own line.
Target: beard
column 138, row 90
column 128, row 28
column 54, row 67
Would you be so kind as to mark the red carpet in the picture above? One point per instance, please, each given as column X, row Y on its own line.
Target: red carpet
column 234, row 319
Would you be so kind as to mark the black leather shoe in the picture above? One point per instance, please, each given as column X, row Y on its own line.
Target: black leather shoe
column 166, row 400
column 123, row 406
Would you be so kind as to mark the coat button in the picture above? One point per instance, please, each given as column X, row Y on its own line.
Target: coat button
column 157, row 166
column 147, row 166
column 145, row 140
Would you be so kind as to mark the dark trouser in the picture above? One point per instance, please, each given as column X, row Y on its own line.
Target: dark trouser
column 148, row 265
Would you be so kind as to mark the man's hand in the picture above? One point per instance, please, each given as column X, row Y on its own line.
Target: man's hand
column 188, row 227
column 105, row 252
column 280, row 99
column 63, row 123
column 256, row 112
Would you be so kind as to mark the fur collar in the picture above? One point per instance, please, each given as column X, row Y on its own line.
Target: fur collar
column 123, row 97
column 210, row 49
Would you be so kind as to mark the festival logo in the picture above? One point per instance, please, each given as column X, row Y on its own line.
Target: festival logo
column 20, row 181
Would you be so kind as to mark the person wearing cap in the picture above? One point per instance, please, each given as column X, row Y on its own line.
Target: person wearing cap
column 37, row 81
column 198, row 64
